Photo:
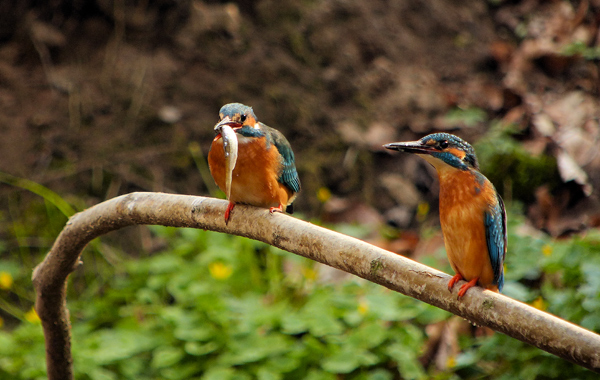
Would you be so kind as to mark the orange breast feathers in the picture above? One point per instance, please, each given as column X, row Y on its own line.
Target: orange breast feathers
column 464, row 199
column 255, row 175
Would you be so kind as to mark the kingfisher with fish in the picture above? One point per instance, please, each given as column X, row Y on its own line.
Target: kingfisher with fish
column 252, row 163
column 472, row 213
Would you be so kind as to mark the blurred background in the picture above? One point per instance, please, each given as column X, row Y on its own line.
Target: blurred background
column 100, row 98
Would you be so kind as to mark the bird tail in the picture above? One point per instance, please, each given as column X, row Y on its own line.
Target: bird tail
column 501, row 282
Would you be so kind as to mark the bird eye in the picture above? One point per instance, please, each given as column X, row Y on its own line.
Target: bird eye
column 444, row 144
column 243, row 118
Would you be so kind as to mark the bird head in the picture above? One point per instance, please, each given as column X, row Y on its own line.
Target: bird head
column 237, row 122
column 442, row 150
column 237, row 116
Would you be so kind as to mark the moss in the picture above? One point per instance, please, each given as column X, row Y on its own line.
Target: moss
column 487, row 304
column 376, row 265
column 513, row 170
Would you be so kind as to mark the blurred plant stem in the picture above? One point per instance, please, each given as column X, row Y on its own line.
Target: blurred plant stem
column 40, row 190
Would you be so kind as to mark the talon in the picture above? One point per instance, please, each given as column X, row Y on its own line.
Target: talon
column 230, row 207
column 276, row 209
column 467, row 286
column 457, row 277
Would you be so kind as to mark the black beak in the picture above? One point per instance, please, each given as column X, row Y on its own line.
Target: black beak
column 415, row 147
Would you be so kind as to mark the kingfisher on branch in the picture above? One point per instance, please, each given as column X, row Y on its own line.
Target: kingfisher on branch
column 472, row 214
column 252, row 163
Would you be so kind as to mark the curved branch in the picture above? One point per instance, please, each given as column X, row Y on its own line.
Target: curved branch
column 398, row 273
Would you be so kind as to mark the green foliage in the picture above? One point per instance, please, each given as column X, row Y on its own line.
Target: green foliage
column 468, row 117
column 511, row 168
column 29, row 224
column 44, row 192
column 580, row 48
column 214, row 306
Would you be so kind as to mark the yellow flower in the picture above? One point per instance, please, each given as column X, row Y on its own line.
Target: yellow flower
column 547, row 249
column 422, row 211
column 309, row 273
column 220, row 271
column 323, row 194
column 6, row 280
column 451, row 362
column 539, row 304
column 32, row 317
column 363, row 307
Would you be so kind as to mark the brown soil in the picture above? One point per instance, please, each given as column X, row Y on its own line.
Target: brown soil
column 100, row 98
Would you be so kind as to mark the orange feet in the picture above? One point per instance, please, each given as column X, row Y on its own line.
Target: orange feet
column 230, row 207
column 467, row 286
column 276, row 209
column 457, row 277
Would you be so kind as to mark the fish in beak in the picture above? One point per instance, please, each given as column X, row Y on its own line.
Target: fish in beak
column 230, row 146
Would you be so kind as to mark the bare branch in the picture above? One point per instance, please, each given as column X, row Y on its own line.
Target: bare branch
column 398, row 273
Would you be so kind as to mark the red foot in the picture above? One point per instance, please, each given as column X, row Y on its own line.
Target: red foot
column 230, row 207
column 467, row 286
column 457, row 277
column 276, row 209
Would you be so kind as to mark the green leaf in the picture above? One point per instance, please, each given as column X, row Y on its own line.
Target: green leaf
column 166, row 357
column 102, row 374
column 200, row 333
column 197, row 349
column 42, row 191
column 390, row 306
column 407, row 361
column 287, row 362
column 379, row 374
column 294, row 323
column 7, row 344
column 254, row 348
column 265, row 373
column 182, row 371
column 108, row 346
column 341, row 362
column 218, row 373
column 130, row 368
column 368, row 335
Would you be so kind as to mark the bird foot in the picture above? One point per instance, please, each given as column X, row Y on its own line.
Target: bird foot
column 230, row 207
column 276, row 209
column 457, row 277
column 467, row 286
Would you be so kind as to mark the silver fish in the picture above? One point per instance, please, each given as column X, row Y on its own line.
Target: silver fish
column 230, row 147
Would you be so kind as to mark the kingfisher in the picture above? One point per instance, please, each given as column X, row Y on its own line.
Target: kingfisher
column 252, row 163
column 472, row 213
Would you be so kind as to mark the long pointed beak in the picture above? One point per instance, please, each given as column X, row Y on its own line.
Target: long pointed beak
column 415, row 147
column 226, row 121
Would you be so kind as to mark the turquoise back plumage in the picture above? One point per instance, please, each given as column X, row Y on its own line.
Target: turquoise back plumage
column 495, row 232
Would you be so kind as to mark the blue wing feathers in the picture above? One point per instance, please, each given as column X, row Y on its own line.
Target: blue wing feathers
column 495, row 231
column 289, row 175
